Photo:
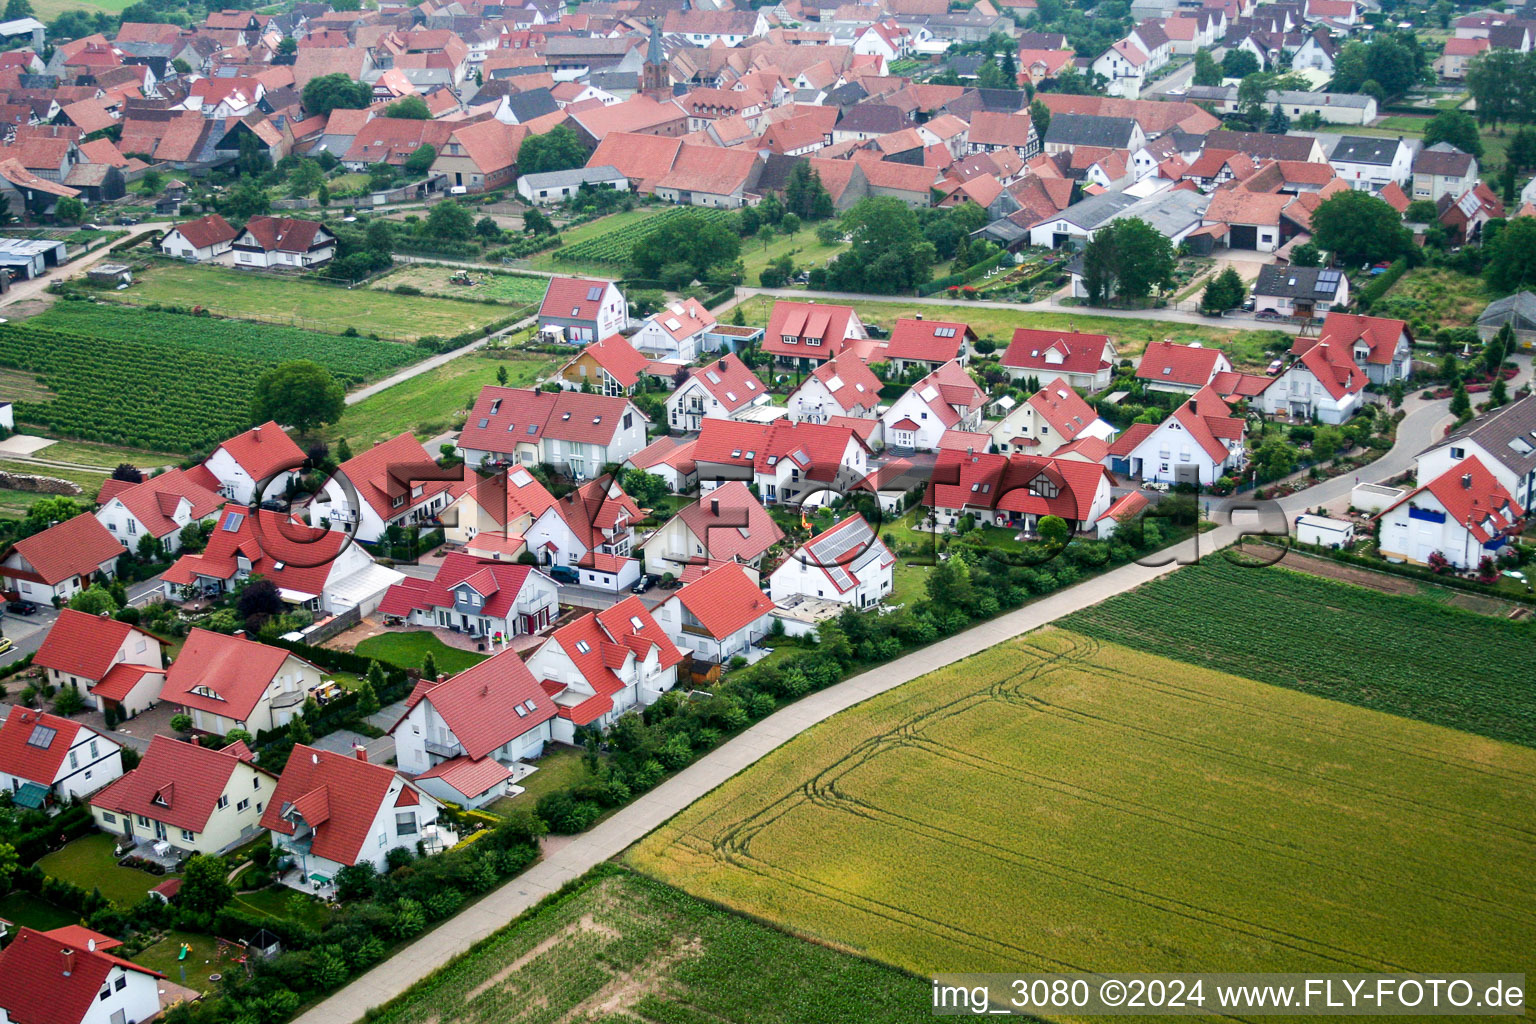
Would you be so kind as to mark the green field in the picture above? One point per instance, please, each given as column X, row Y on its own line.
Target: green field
column 1430, row 298
column 804, row 248
column 621, row 949
column 429, row 403
column 89, row 863
column 1247, row 348
column 47, row 10
column 31, row 912
column 1409, row 656
column 517, row 289
column 407, row 650
column 584, row 237
column 301, row 303
column 1058, row 804
column 204, row 958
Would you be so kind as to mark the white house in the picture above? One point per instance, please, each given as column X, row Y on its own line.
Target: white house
column 727, row 524
column 1015, row 491
column 62, row 560
column 199, row 240
column 1443, row 169
column 478, row 596
column 394, row 483
column 590, row 529
column 1200, row 442
column 575, row 432
column 946, row 399
column 69, row 973
column 229, row 682
column 718, row 616
column 116, row 663
column 45, row 758
column 1370, row 164
column 603, row 664
column 847, row 563
column 1503, row 441
column 784, row 460
column 579, row 310
column 283, row 242
column 1463, row 515
column 159, row 507
column 263, row 455
column 193, row 798
column 1048, row 419
column 1381, row 347
column 464, row 728
column 1126, row 67
column 332, row 811
column 1323, row 383
column 845, row 386
column 676, row 333
column 1085, row 361
column 724, row 388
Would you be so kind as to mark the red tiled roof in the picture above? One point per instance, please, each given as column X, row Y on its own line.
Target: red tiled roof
column 1125, row 507
column 477, row 703
column 595, row 506
column 927, row 340
column 154, row 502
column 1080, row 353
column 1128, row 441
column 25, row 760
column 1344, row 329
column 1206, row 419
column 1192, row 365
column 338, row 795
column 850, row 381
column 730, row 381
column 567, row 298
column 34, row 985
column 206, row 231
column 831, row 326
column 498, row 584
column 673, row 452
column 377, row 475
column 724, row 600
column 75, row 547
column 120, row 680
column 285, row 234
column 816, row 448
column 177, row 783
column 84, row 645
column 469, row 776
column 1063, row 408
column 237, row 669
column 689, row 317
column 291, row 554
column 1230, row 384
column 618, row 357
column 722, row 531
column 562, row 416
column 983, row 480
column 643, row 159
column 264, row 450
column 1473, row 497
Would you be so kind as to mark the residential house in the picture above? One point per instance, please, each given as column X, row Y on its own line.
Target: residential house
column 725, row 388
column 117, row 663
column 66, row 976
column 1442, row 169
column 313, row 568
column 230, row 682
column 579, row 310
column 394, row 483
column 1084, row 361
column 841, row 387
column 995, row 131
column 591, row 530
column 1126, row 67
column 478, row 596
column 1054, row 416
column 1502, row 440
column 1458, row 54
column 1369, row 164
column 946, row 399
column 481, row 156
column 718, row 616
column 1181, row 369
column 62, row 560
column 1323, row 382
column 1316, row 53
column 783, row 459
column 199, row 240
column 728, row 524
column 1381, row 346
column 709, row 176
column 1200, row 443
column 458, row 731
column 678, row 333
column 46, row 759
column 1464, row 216
column 503, row 504
column 193, row 798
column 159, row 507
column 603, row 664
column 1463, row 515
column 846, row 563
column 1300, row 291
column 804, row 334
column 1014, row 491
column 610, row 367
column 1069, row 131
column 928, row 344
column 671, row 459
column 283, row 242
column 255, row 464
column 558, row 186
column 332, row 811
column 577, row 433
column 1260, row 221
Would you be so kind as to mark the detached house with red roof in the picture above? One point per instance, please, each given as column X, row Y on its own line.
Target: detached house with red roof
column 199, row 240
column 229, row 682
column 947, row 399
column 577, row 433
column 118, row 664
column 477, row 596
column 929, row 344
column 678, row 333
column 193, row 798
column 474, row 730
column 1381, row 346
column 807, row 333
column 1085, row 361
column 718, row 616
column 263, row 455
column 1322, row 383
column 784, row 460
column 331, row 811
column 603, row 664
column 1180, row 369
column 724, row 389
column 62, row 560
column 1201, row 442
column 1053, row 416
column 66, row 977
column 610, row 367
column 1014, row 491
column 590, row 530
column 502, row 505
column 1463, row 515
column 580, row 310
column 45, row 758
column 728, row 524
column 160, row 507
column 842, row 387
column 846, row 563
column 284, row 242
column 394, row 483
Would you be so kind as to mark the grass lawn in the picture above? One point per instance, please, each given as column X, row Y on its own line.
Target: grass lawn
column 510, row 288
column 304, row 304
column 108, row 457
column 1122, row 811
column 47, row 10
column 407, row 650
column 428, row 403
column 803, row 248
column 1430, row 298
column 274, row 902
column 89, row 863
column 620, row 948
column 202, row 960
column 559, row 768
column 592, row 229
column 24, row 909
column 1129, row 335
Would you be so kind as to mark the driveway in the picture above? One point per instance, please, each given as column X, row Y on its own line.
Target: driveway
column 26, row 632
column 629, row 824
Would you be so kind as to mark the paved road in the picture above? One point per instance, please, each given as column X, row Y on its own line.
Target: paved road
column 616, row 834
column 433, row 363
column 31, row 289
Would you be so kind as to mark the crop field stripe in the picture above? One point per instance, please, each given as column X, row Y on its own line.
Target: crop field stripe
column 615, row 247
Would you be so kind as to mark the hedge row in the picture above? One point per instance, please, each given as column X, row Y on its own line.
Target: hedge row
column 1379, row 285
column 968, row 274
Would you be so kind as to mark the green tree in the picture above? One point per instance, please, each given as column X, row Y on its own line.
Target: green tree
column 288, row 46
column 16, row 9
column 204, row 887
column 1498, row 394
column 558, row 149
column 9, row 862
column 326, row 93
column 1461, row 403
column 323, row 197
column 1274, row 459
column 1494, row 80
column 1207, row 71
column 1511, row 256
column 306, row 177
column 535, row 222
column 1225, row 291
column 94, row 600
column 1421, row 211
column 1359, row 228
column 703, row 245
column 1306, row 255
column 501, row 376
column 949, row 585
column 1278, row 123
column 246, row 200
column 1054, row 531
column 428, row 666
column 68, row 702
column 420, row 160
column 181, row 723
column 790, row 224
column 888, row 254
column 1040, row 117
column 69, row 210
column 450, row 220
column 804, row 194
column 301, row 394
column 990, row 76
column 151, row 181
column 648, row 489
column 380, row 236
column 1127, row 259
column 1394, row 64
column 1522, row 150
column 410, row 108
column 299, row 731
column 1457, row 127
column 1239, row 63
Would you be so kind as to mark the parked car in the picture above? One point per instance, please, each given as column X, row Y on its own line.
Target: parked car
column 21, row 608
column 1268, row 314
column 127, row 220
column 1248, row 304
column 644, row 583
column 1274, row 367
column 275, row 505
column 5, row 644
column 564, row 574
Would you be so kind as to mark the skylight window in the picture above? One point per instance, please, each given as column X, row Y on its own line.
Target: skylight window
column 42, row 736
column 484, row 422
column 583, row 647
column 522, row 712
column 533, row 428
column 232, row 522
column 634, row 620
column 594, row 293
column 495, row 405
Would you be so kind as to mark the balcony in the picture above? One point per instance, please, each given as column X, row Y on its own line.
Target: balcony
column 440, row 749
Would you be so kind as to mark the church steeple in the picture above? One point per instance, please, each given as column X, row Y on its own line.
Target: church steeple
column 655, row 77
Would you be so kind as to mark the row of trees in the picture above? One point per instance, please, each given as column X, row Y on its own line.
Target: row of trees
column 1502, row 84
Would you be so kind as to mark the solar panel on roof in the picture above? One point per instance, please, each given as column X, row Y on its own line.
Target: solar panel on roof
column 233, row 520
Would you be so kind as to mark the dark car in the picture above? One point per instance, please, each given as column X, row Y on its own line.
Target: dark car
column 564, row 574
column 1268, row 314
column 644, row 583
column 21, row 608
column 127, row 220
column 275, row 505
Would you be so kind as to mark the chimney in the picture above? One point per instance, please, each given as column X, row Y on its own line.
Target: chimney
column 360, row 752
column 90, row 944
column 1192, row 407
column 442, row 677
column 69, row 961
column 714, row 506
column 919, row 316
column 1466, row 481
column 256, row 433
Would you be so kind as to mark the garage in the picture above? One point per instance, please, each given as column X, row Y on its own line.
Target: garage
column 1243, row 236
